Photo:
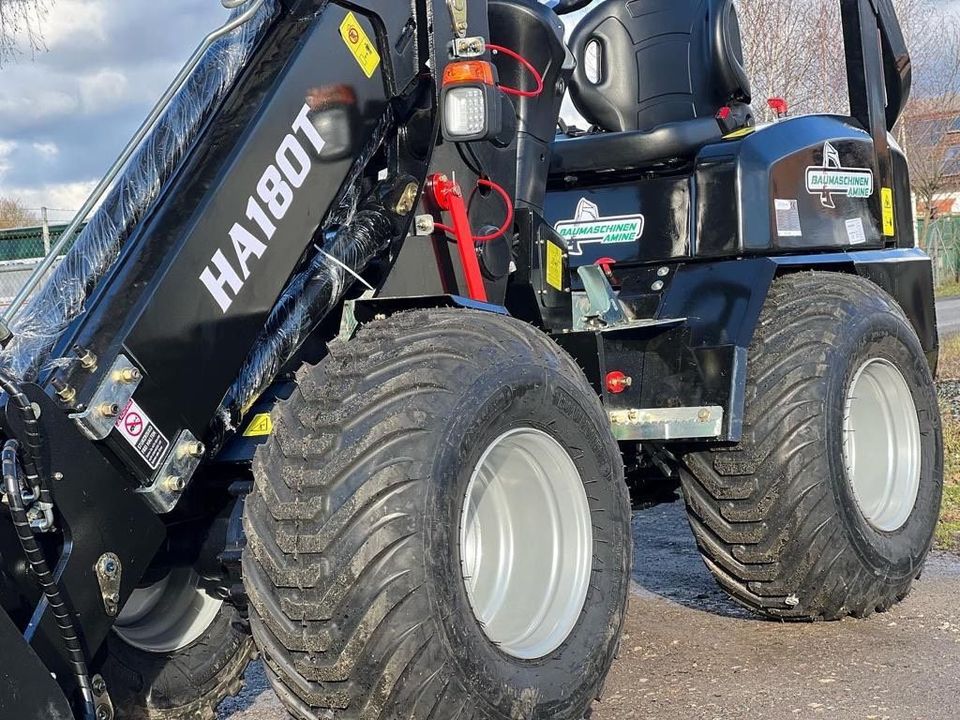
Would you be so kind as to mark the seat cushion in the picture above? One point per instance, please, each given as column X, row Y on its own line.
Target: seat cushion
column 619, row 151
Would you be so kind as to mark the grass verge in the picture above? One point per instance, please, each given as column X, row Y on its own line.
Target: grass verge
column 948, row 289
column 948, row 530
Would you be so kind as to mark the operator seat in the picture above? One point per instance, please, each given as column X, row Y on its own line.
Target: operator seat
column 651, row 76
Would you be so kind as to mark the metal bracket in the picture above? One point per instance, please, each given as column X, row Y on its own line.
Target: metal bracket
column 458, row 16
column 109, row 571
column 111, row 396
column 468, row 47
column 101, row 698
column 174, row 475
column 604, row 303
column 667, row 423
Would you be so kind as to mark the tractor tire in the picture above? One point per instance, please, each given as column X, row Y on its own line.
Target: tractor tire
column 828, row 505
column 152, row 675
column 442, row 465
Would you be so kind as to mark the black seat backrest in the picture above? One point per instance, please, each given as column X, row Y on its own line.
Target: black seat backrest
column 645, row 63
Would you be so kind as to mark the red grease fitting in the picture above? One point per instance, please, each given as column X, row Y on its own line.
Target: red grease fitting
column 537, row 75
column 449, row 197
column 617, row 382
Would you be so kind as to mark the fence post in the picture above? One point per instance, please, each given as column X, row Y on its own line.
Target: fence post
column 46, row 232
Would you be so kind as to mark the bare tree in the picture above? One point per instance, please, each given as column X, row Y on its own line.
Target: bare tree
column 14, row 214
column 20, row 26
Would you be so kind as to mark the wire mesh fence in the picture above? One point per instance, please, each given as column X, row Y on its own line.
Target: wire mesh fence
column 21, row 250
column 941, row 239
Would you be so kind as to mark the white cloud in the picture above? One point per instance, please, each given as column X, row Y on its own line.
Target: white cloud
column 76, row 22
column 103, row 91
column 6, row 150
column 64, row 199
column 47, row 150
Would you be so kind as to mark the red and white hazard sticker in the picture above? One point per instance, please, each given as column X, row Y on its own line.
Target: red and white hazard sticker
column 136, row 427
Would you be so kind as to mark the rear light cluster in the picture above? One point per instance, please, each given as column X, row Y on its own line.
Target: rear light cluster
column 471, row 102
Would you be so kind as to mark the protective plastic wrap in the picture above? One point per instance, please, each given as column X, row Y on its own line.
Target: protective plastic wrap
column 63, row 296
column 307, row 299
column 314, row 291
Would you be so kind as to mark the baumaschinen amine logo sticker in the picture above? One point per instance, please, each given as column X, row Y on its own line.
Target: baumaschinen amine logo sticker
column 833, row 179
column 588, row 228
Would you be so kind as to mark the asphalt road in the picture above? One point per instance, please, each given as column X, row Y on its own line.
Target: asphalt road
column 948, row 315
column 691, row 654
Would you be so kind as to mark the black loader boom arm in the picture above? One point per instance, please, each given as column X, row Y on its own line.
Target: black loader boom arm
column 285, row 164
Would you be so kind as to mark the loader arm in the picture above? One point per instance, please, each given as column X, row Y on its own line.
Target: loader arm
column 284, row 165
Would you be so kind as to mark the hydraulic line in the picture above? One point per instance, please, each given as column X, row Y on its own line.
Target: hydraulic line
column 31, row 443
column 48, row 585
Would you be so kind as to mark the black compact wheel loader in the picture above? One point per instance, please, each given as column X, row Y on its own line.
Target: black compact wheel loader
column 359, row 358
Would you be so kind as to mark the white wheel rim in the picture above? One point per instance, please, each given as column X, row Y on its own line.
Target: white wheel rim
column 881, row 442
column 526, row 543
column 168, row 615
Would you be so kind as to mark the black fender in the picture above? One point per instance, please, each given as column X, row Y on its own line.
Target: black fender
column 696, row 354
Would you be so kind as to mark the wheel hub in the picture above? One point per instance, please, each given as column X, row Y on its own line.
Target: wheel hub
column 526, row 543
column 168, row 615
column 881, row 442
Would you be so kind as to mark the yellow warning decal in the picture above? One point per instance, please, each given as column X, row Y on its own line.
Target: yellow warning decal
column 260, row 426
column 886, row 198
column 741, row 133
column 554, row 266
column 360, row 44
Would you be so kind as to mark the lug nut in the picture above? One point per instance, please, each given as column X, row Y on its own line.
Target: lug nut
column 129, row 375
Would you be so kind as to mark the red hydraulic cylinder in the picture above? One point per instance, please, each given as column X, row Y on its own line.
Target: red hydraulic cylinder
column 449, row 197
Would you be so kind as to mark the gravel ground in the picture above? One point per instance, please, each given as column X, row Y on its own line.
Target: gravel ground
column 691, row 654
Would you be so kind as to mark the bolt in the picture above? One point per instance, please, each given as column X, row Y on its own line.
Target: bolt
column 663, row 272
column 425, row 225
column 173, row 484
column 109, row 567
column 58, row 476
column 129, row 375
column 657, row 286
column 704, row 415
column 88, row 361
column 65, row 392
column 194, row 449
column 104, row 713
column 109, row 410
column 98, row 685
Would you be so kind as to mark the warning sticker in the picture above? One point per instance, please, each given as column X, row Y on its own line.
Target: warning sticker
column 260, row 426
column 554, row 266
column 360, row 44
column 889, row 227
column 135, row 426
column 855, row 232
column 788, row 218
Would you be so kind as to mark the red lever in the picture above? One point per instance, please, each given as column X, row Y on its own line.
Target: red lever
column 448, row 196
column 606, row 264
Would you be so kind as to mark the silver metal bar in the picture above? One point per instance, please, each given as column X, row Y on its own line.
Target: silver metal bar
column 701, row 423
column 100, row 190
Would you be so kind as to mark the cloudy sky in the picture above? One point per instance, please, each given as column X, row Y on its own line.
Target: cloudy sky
column 66, row 114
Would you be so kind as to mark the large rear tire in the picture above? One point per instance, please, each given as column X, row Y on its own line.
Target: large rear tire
column 439, row 528
column 828, row 506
